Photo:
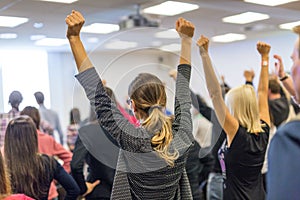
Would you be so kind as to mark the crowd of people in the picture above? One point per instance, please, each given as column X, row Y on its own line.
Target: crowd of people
column 244, row 147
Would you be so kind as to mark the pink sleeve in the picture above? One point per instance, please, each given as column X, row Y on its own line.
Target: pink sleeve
column 63, row 154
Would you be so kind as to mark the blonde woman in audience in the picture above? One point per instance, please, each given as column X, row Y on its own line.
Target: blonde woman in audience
column 152, row 158
column 246, row 123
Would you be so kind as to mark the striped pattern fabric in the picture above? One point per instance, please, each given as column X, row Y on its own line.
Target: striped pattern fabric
column 141, row 173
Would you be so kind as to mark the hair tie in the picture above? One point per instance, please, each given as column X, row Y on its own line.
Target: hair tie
column 154, row 107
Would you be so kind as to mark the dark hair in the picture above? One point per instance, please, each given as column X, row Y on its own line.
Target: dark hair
column 39, row 97
column 274, row 86
column 149, row 95
column 75, row 116
column 26, row 167
column 4, row 180
column 33, row 113
column 15, row 98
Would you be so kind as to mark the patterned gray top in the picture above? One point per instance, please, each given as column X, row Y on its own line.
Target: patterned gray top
column 141, row 173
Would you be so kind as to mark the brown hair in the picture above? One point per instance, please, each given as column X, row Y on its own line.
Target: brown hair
column 148, row 93
column 26, row 167
column 4, row 179
column 34, row 114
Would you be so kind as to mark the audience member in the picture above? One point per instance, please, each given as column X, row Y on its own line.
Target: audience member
column 31, row 173
column 5, row 188
column 72, row 129
column 152, row 156
column 47, row 145
column 15, row 98
column 284, row 152
column 49, row 115
column 246, row 124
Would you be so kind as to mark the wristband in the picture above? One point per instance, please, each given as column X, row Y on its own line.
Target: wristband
column 265, row 63
column 284, row 78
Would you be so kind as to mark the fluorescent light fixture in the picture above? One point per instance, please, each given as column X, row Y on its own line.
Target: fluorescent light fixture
column 93, row 40
column 170, row 8
column 229, row 37
column 289, row 26
column 7, row 21
column 37, row 37
column 270, row 2
column 60, row 1
column 120, row 45
column 245, row 18
column 168, row 34
column 171, row 47
column 51, row 42
column 100, row 28
column 8, row 36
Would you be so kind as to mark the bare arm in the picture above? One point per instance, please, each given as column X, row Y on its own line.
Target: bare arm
column 75, row 22
column 227, row 121
column 263, row 85
column 286, row 82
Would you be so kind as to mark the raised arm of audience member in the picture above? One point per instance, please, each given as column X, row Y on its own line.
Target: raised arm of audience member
column 263, row 85
column 230, row 124
column 283, row 77
column 249, row 76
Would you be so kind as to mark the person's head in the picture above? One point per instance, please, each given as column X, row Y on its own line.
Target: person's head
column 243, row 105
column 33, row 113
column 26, row 169
column 274, row 86
column 4, row 179
column 148, row 98
column 295, row 71
column 39, row 97
column 15, row 98
column 75, row 116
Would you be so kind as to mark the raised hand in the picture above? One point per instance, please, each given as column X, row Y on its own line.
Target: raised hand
column 185, row 28
column 173, row 73
column 279, row 68
column 203, row 43
column 75, row 21
column 249, row 75
column 263, row 49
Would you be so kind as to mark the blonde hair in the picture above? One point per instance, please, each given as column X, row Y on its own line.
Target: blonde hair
column 5, row 188
column 149, row 96
column 242, row 104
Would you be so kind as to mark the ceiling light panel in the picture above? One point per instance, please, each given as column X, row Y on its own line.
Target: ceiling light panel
column 170, row 8
column 60, row 1
column 245, row 18
column 168, row 34
column 270, row 2
column 229, row 37
column 7, row 21
column 100, row 28
column 51, row 42
column 120, row 45
column 8, row 36
column 289, row 26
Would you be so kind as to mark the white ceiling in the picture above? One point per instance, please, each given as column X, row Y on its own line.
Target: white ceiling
column 207, row 19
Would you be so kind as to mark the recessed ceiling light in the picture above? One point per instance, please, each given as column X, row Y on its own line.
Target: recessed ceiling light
column 60, row 1
column 8, row 36
column 38, row 25
column 170, row 8
column 120, row 45
column 51, row 42
column 100, row 28
column 229, row 37
column 37, row 37
column 270, row 2
column 7, row 21
column 168, row 34
column 171, row 47
column 245, row 18
column 289, row 26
